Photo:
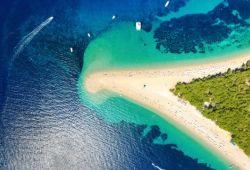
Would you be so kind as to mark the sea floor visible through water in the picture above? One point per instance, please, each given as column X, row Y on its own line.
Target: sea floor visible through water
column 123, row 47
column 49, row 121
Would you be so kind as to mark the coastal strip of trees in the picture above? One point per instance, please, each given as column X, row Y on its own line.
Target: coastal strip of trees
column 224, row 98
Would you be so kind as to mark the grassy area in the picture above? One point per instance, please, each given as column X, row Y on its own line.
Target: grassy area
column 224, row 98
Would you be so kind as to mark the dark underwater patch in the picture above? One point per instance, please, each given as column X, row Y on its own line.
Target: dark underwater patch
column 243, row 6
column 44, row 125
column 190, row 33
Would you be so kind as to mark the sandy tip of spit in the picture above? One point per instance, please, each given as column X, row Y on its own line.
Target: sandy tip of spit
column 91, row 84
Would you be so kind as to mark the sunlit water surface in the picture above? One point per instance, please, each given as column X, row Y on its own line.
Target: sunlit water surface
column 48, row 121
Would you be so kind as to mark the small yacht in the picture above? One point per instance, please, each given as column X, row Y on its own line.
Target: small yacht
column 138, row 26
column 166, row 4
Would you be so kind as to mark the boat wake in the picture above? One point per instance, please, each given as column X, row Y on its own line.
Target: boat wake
column 27, row 38
column 157, row 167
column 22, row 44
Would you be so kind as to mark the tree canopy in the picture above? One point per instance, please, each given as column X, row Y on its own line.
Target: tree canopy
column 224, row 98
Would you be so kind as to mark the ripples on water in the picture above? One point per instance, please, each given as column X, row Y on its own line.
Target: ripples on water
column 43, row 123
column 46, row 126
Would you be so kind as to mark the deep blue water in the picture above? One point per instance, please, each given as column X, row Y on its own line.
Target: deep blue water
column 43, row 124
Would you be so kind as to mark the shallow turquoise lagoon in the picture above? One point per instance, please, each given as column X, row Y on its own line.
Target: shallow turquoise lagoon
column 181, row 37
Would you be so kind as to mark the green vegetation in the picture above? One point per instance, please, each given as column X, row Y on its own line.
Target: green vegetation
column 224, row 98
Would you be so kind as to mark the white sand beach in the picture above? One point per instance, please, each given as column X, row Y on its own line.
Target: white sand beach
column 151, row 88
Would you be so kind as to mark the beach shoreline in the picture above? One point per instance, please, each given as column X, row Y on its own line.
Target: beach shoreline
column 150, row 87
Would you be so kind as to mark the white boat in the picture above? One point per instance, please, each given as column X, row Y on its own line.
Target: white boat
column 166, row 4
column 138, row 26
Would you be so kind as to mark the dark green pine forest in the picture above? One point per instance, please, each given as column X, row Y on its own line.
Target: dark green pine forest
column 224, row 98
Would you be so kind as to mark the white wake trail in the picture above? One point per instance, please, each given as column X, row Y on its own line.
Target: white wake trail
column 27, row 38
column 157, row 167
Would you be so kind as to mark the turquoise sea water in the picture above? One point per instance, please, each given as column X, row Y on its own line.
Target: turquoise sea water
column 115, row 109
column 123, row 47
column 193, row 7
column 209, row 34
column 43, row 122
